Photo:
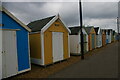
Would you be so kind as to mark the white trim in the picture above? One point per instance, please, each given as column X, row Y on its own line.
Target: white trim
column 51, row 22
column 17, row 20
column 69, row 45
column 48, row 24
column 24, row 70
column 42, row 48
column 16, row 50
column 29, row 51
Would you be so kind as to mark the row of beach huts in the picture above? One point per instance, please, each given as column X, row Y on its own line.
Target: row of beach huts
column 43, row 42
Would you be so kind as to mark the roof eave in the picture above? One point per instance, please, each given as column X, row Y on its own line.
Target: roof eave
column 13, row 17
column 51, row 22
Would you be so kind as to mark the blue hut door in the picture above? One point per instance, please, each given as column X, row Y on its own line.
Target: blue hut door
column 9, row 57
column 0, row 54
column 93, row 41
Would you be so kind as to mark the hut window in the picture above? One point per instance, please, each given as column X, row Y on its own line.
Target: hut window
column 56, row 25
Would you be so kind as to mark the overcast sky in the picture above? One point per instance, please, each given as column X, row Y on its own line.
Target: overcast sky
column 102, row 14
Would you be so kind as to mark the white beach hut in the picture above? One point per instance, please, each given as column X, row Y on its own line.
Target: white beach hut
column 75, row 47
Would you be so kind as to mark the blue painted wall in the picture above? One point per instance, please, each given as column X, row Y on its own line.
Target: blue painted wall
column 22, row 41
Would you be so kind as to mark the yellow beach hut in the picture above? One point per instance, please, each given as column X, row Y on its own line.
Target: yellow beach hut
column 91, row 37
column 49, row 41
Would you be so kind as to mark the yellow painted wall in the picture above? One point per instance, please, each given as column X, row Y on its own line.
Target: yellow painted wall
column 66, row 47
column 48, row 41
column 35, row 45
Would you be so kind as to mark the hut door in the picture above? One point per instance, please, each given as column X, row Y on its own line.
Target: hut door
column 57, row 43
column 0, row 54
column 10, row 65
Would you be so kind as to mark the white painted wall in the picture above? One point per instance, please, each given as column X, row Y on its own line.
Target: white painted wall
column 99, row 38
column 75, row 44
column 0, row 54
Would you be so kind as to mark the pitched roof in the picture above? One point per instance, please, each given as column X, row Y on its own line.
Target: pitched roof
column 74, row 30
column 14, row 18
column 43, row 24
column 88, row 29
column 96, row 30
column 39, row 24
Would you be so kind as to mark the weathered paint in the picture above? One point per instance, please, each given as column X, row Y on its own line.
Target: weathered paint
column 85, row 43
column 35, row 45
column 75, row 44
column 48, row 41
column 22, row 41
column 99, row 40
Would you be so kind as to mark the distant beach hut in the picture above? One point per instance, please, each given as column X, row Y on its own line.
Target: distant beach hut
column 98, row 37
column 75, row 42
column 91, row 37
column 103, row 37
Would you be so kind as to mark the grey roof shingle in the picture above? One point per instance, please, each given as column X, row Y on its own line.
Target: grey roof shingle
column 39, row 24
column 74, row 30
